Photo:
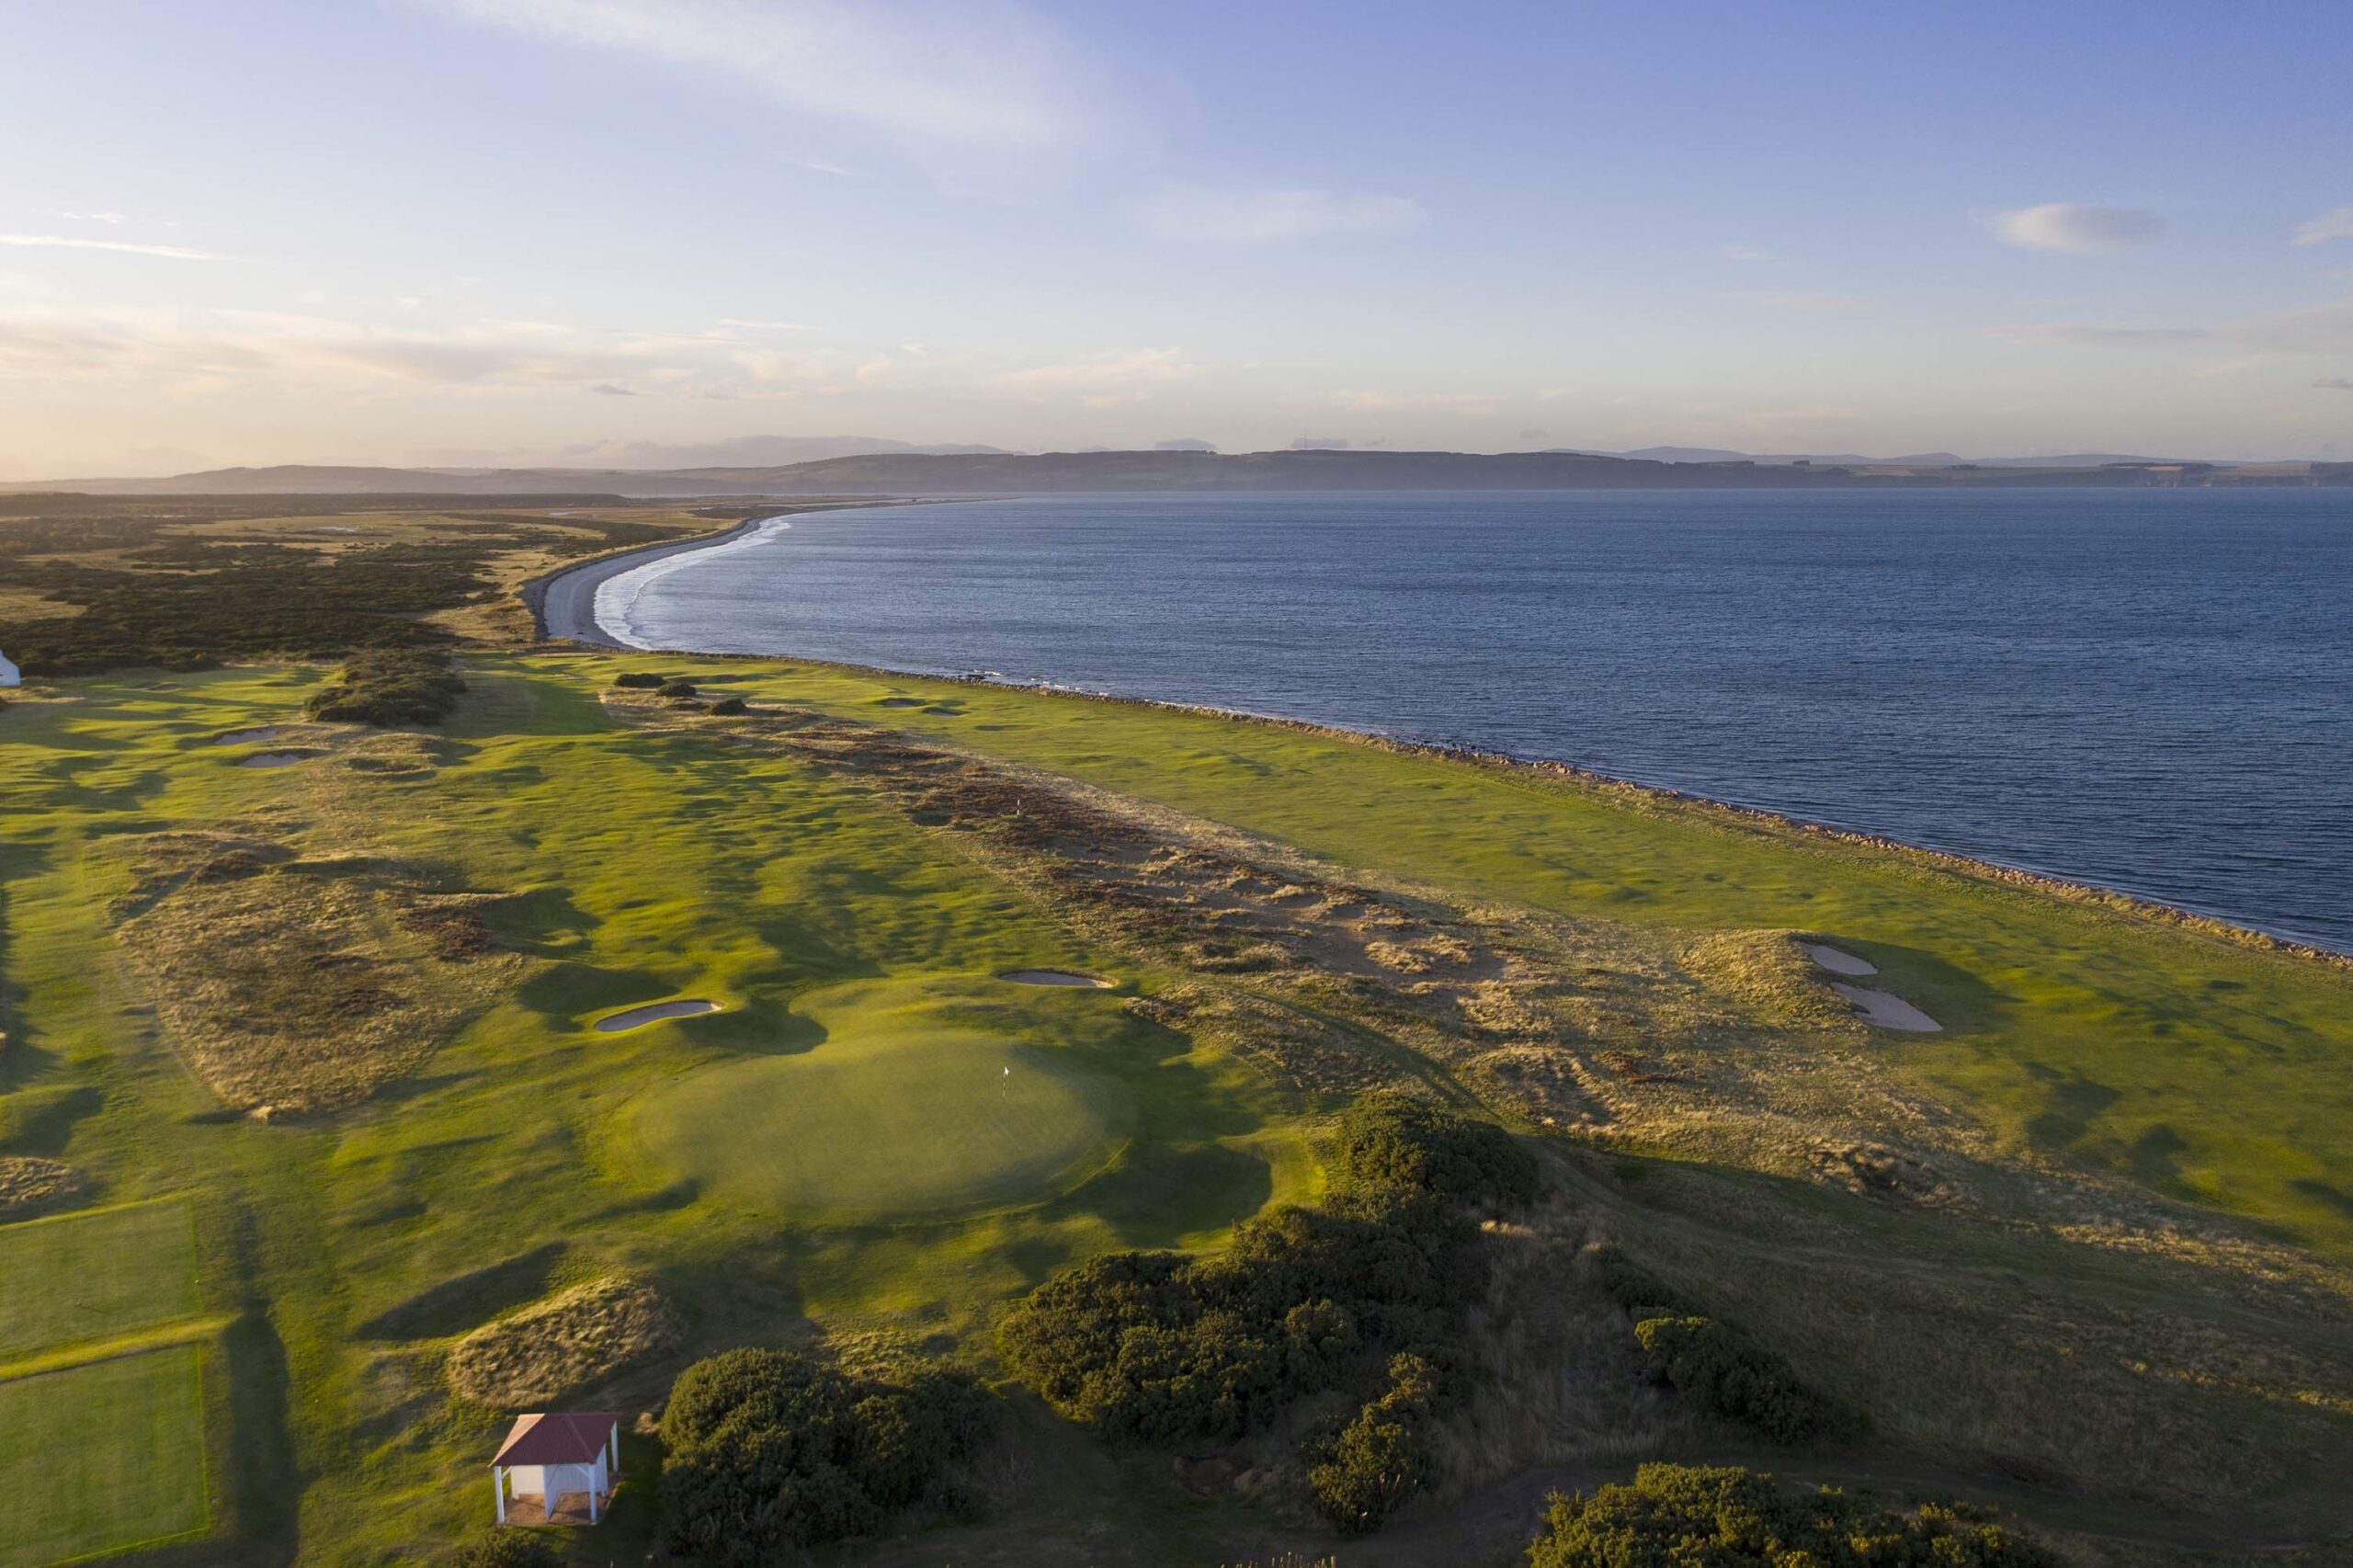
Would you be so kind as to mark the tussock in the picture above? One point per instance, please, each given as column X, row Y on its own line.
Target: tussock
column 1769, row 973
column 30, row 1185
column 567, row 1342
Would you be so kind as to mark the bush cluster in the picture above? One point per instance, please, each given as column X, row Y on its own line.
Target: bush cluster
column 638, row 680
column 675, row 688
column 1160, row 1347
column 773, row 1449
column 1675, row 1515
column 1365, row 1473
column 1724, row 1371
column 395, row 687
column 505, row 1549
column 728, row 707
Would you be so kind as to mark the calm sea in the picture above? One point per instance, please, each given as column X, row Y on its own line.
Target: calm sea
column 2151, row 690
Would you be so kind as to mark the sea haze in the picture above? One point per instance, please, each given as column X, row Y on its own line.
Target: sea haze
column 2147, row 690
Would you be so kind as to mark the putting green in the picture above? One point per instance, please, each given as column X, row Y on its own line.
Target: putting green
column 920, row 1101
column 102, row 1457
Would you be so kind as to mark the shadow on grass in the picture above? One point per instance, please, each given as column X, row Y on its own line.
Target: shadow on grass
column 468, row 1300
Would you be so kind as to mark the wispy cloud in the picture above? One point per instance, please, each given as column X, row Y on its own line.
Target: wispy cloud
column 2102, row 336
column 125, row 247
column 1748, row 253
column 1788, row 300
column 108, row 218
column 2326, row 328
column 1388, row 400
column 982, row 73
column 2335, row 383
column 1099, row 381
column 2072, row 229
column 2335, row 225
column 750, row 326
column 1223, row 216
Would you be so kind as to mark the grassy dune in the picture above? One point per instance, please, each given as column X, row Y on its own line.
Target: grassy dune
column 2085, row 1248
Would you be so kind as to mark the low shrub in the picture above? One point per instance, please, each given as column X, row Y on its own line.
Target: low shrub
column 1390, row 1147
column 773, row 1449
column 402, row 686
column 637, row 680
column 1369, row 1470
column 1724, row 1372
column 1634, row 1287
column 505, row 1549
column 1677, row 1515
column 1160, row 1348
column 675, row 688
column 728, row 707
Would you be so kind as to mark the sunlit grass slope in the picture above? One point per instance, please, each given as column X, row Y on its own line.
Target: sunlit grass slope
column 2209, row 1070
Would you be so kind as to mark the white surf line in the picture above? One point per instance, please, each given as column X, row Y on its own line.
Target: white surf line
column 613, row 607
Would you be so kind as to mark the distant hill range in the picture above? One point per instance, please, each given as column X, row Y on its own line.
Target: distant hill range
column 987, row 473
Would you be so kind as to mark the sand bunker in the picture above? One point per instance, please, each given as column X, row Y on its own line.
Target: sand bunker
column 654, row 1012
column 1836, row 961
column 1056, row 977
column 1886, row 1010
column 252, row 737
column 275, row 758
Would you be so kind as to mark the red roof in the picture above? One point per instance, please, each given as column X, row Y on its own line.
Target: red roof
column 571, row 1438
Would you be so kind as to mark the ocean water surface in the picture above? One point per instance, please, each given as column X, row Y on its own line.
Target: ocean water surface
column 2147, row 690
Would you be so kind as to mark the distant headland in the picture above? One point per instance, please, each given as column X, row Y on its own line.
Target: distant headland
column 994, row 473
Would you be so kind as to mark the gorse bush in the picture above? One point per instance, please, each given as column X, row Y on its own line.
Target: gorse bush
column 1634, row 1287
column 675, row 688
column 1718, row 1369
column 505, row 1549
column 1683, row 1516
column 396, row 687
column 1367, row 1292
column 1375, row 1463
column 638, row 680
column 728, row 707
column 1392, row 1149
column 772, row 1450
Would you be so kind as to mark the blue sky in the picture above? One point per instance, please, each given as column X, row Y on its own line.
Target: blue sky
column 523, row 231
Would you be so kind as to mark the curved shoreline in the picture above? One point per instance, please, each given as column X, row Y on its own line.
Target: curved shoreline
column 579, row 604
column 563, row 602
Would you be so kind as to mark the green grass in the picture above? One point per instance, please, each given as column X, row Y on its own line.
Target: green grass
column 824, row 1155
column 2206, row 1069
column 906, row 1109
column 102, row 1457
column 89, row 1277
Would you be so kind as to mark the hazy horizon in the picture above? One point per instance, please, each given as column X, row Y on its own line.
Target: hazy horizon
column 593, row 232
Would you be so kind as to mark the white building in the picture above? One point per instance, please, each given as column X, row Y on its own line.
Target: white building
column 547, row 1458
column 9, row 672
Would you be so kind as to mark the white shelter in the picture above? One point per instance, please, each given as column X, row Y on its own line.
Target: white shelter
column 10, row 673
column 548, row 1458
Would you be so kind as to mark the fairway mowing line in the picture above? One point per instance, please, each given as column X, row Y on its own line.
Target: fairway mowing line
column 73, row 1355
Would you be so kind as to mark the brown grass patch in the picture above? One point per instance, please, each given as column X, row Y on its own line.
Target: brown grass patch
column 571, row 1340
column 1771, row 974
column 30, row 1185
column 295, row 986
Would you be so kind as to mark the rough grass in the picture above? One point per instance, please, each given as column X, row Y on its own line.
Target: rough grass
column 29, row 1183
column 89, row 1277
column 570, row 1341
column 102, row 1457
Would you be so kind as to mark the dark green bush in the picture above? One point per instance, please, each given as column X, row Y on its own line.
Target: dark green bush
column 1723, row 1372
column 771, row 1450
column 394, row 687
column 1681, row 1516
column 728, row 707
column 505, row 1549
column 1159, row 1347
column 1366, row 1472
column 637, row 680
column 1634, row 1287
column 1393, row 1148
column 675, row 688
